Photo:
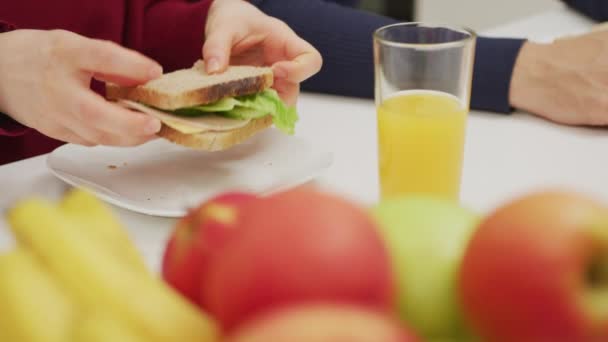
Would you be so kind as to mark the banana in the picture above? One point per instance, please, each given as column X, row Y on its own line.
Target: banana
column 33, row 307
column 99, row 221
column 100, row 326
column 99, row 279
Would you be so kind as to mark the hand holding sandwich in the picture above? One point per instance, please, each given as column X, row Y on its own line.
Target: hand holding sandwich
column 226, row 98
column 259, row 40
column 45, row 85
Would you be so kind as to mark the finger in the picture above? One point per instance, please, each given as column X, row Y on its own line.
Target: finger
column 288, row 91
column 95, row 111
column 218, row 45
column 306, row 62
column 65, row 134
column 73, row 138
column 294, row 58
column 112, row 60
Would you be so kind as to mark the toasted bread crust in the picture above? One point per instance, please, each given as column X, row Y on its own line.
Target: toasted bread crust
column 243, row 86
column 216, row 141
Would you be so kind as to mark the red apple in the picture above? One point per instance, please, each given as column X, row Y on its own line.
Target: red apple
column 537, row 270
column 298, row 246
column 323, row 323
column 199, row 234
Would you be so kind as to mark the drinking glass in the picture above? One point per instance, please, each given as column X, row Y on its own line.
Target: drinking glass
column 423, row 76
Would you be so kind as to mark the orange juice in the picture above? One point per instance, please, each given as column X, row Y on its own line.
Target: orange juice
column 421, row 143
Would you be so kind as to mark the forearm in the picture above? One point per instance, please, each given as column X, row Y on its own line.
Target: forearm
column 596, row 9
column 344, row 38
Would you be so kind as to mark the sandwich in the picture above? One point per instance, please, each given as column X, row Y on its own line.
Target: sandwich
column 211, row 112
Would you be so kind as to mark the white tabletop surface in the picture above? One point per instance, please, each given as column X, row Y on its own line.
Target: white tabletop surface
column 505, row 155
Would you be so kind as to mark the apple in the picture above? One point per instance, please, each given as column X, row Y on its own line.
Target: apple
column 297, row 246
column 203, row 231
column 427, row 237
column 323, row 323
column 537, row 270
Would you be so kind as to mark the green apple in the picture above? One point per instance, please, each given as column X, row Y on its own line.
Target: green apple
column 427, row 238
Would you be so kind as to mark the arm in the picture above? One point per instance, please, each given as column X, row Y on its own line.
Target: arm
column 344, row 38
column 596, row 9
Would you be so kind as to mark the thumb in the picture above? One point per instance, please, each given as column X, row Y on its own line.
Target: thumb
column 217, row 48
column 108, row 60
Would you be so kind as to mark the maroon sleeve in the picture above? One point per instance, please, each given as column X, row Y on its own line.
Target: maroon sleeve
column 8, row 126
column 174, row 31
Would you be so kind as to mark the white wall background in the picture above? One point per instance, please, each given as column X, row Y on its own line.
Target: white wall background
column 480, row 14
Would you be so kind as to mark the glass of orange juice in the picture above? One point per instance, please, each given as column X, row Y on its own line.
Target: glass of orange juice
column 422, row 91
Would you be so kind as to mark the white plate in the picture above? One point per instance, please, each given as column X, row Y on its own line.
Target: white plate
column 163, row 179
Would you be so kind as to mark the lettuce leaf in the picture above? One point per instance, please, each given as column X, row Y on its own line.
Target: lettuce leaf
column 250, row 107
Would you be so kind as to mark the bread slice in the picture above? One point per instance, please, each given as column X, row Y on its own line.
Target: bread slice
column 213, row 140
column 191, row 87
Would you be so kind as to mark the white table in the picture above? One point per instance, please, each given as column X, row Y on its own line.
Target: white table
column 505, row 155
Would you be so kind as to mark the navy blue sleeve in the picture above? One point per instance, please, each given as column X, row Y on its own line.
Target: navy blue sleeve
column 596, row 9
column 343, row 36
column 350, row 3
column 494, row 62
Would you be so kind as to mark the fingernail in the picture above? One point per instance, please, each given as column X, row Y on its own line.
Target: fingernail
column 152, row 127
column 280, row 73
column 155, row 71
column 213, row 65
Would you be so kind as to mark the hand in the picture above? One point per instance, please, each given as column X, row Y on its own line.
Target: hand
column 565, row 81
column 45, row 84
column 258, row 39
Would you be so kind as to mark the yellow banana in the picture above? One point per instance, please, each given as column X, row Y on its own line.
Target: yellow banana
column 97, row 219
column 33, row 307
column 103, row 327
column 99, row 279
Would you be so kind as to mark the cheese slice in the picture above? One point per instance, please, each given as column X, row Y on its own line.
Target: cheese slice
column 189, row 125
